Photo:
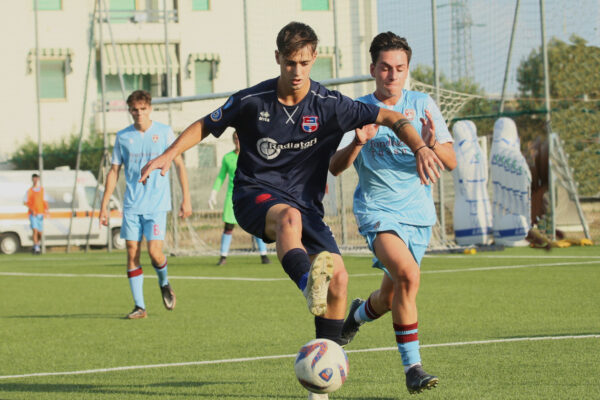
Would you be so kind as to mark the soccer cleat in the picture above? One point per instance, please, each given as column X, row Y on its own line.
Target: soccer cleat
column 168, row 296
column 317, row 396
column 418, row 380
column 350, row 328
column 265, row 260
column 222, row 260
column 137, row 313
column 317, row 285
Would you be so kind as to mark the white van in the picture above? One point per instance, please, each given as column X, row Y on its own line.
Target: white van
column 15, row 231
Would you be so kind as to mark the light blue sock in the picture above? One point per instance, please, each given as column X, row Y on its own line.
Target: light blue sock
column 262, row 247
column 225, row 243
column 136, row 283
column 161, row 272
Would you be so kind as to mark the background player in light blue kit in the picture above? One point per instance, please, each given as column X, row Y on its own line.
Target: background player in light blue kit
column 393, row 209
column 145, row 207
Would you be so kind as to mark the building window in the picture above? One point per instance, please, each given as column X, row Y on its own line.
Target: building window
column 48, row 5
column 203, row 74
column 137, row 11
column 315, row 5
column 52, row 79
column 200, row 5
column 322, row 69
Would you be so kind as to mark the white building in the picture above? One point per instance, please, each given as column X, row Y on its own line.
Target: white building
column 209, row 43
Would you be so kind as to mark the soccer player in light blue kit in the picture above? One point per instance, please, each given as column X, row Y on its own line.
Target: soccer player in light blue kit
column 394, row 210
column 145, row 207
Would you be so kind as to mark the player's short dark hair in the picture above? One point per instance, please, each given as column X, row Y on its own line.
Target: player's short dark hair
column 139, row 95
column 295, row 36
column 34, row 175
column 388, row 41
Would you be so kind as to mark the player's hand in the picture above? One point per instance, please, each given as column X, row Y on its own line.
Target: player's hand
column 186, row 209
column 103, row 216
column 428, row 129
column 366, row 133
column 428, row 165
column 162, row 162
column 212, row 200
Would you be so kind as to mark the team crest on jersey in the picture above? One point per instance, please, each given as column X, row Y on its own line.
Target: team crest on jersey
column 410, row 114
column 310, row 123
column 154, row 138
column 216, row 115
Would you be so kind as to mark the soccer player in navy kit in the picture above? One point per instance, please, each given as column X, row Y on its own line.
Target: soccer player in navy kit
column 145, row 207
column 393, row 209
column 289, row 127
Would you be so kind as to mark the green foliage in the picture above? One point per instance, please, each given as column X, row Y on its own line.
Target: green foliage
column 573, row 89
column 63, row 152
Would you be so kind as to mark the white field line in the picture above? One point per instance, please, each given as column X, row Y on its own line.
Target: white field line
column 274, row 357
column 225, row 278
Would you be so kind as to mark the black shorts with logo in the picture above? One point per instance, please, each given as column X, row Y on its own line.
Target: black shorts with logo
column 250, row 206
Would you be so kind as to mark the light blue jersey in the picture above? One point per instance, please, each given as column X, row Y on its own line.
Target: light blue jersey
column 133, row 149
column 388, row 181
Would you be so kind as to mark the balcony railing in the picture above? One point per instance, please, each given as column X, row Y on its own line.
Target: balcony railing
column 140, row 16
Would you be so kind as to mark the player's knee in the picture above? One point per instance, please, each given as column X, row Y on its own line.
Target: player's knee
column 410, row 278
column 290, row 218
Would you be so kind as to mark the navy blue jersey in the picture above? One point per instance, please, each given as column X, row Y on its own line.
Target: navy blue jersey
column 286, row 149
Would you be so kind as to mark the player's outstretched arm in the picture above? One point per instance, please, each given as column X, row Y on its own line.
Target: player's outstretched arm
column 343, row 158
column 427, row 161
column 185, row 210
column 192, row 135
column 444, row 151
column 109, row 188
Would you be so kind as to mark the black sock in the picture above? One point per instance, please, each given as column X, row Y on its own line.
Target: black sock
column 296, row 264
column 329, row 329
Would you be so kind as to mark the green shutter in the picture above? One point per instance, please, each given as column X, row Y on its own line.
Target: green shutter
column 130, row 82
column 322, row 69
column 52, row 79
column 51, row 5
column 315, row 5
column 200, row 5
column 203, row 75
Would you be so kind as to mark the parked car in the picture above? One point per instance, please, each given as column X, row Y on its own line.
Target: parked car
column 15, row 232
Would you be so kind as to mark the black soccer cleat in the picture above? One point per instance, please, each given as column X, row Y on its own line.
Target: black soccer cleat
column 222, row 261
column 264, row 259
column 350, row 328
column 168, row 296
column 418, row 380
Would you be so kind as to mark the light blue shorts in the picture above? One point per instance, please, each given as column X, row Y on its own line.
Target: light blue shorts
column 37, row 221
column 415, row 237
column 153, row 226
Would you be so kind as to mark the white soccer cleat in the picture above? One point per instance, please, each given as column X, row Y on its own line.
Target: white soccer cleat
column 317, row 285
column 317, row 396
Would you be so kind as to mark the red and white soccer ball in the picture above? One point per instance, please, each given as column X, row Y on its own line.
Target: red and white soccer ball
column 321, row 366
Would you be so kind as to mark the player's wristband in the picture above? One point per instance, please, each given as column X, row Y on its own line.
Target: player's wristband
column 422, row 147
column 356, row 142
column 432, row 147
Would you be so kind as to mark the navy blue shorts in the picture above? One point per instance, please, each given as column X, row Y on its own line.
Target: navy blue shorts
column 250, row 206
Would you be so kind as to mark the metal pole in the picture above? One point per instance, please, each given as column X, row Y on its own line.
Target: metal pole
column 85, row 96
column 508, row 58
column 551, row 183
column 436, row 78
column 246, row 44
column 38, row 107
column 336, row 70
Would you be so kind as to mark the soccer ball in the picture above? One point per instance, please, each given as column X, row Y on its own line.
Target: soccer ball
column 321, row 366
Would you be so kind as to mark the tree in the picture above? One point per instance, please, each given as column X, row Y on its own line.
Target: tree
column 575, row 94
column 61, row 153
